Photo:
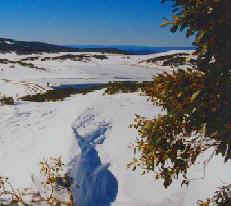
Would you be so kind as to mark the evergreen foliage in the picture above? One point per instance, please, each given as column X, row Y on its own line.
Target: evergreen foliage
column 196, row 101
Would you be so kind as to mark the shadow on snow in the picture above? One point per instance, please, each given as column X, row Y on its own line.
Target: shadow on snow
column 94, row 184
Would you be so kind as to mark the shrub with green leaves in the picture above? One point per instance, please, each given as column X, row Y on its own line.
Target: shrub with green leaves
column 196, row 102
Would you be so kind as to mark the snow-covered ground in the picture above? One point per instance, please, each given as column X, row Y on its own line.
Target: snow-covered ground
column 90, row 132
column 18, row 80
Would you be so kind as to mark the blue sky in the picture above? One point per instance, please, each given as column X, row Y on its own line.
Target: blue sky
column 122, row 22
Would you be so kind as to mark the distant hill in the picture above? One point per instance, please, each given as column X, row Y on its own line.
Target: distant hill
column 136, row 50
column 24, row 47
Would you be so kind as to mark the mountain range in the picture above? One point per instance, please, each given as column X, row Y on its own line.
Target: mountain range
column 35, row 47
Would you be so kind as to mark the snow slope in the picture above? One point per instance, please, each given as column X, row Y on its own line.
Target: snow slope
column 32, row 131
column 91, row 132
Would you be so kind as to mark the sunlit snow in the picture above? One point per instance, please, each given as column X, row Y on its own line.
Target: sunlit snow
column 90, row 132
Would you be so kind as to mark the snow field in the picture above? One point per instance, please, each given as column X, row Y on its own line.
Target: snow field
column 90, row 133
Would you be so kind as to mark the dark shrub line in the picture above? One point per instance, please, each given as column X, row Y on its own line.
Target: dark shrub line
column 7, row 101
column 125, row 87
column 60, row 94
column 171, row 60
column 80, row 57
column 29, row 65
